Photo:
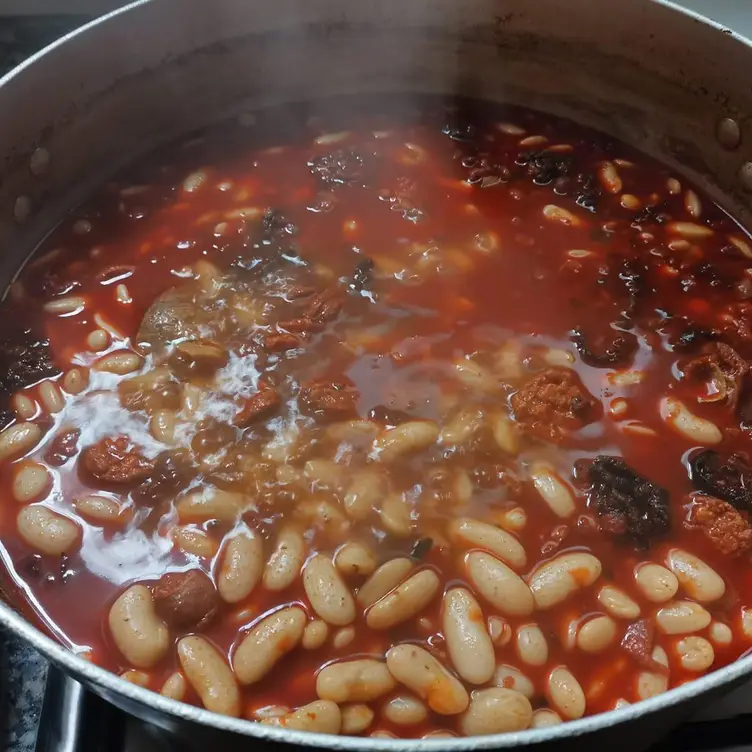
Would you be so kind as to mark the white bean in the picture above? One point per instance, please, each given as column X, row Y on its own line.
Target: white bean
column 468, row 643
column 609, row 178
column 361, row 680
column 18, row 439
column 473, row 533
column 618, row 603
column 532, row 647
column 139, row 678
column 194, row 541
column 495, row 711
column 100, row 509
column 31, row 481
column 699, row 580
column 320, row 717
column 139, row 634
column 404, row 710
column 476, row 377
column 407, row 438
column 120, row 362
column 689, row 230
column 655, row 582
column 209, row 675
column 553, row 582
column 506, row 434
column 396, row 515
column 355, row 560
column 565, row 693
column 404, row 602
column 175, row 687
column 356, row 718
column 560, row 215
column 462, row 427
column 682, row 617
column 67, row 305
column 286, row 561
column 98, row 340
column 267, row 642
column 383, row 580
column 596, row 634
column 721, row 634
column 163, row 425
column 241, row 567
column 343, row 637
column 327, row 592
column 315, row 634
column 690, row 426
column 323, row 474
column 545, row 718
column 51, row 397
column 695, row 653
column 512, row 678
column 419, row 671
column 76, row 380
column 47, row 531
column 209, row 503
column 554, row 491
column 24, row 407
column 652, row 683
column 365, row 493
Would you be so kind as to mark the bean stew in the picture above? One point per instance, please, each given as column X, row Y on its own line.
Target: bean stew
column 385, row 418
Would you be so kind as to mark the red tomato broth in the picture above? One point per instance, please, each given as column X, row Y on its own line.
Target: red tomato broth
column 527, row 290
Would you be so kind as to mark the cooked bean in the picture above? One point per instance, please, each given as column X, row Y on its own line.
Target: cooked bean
column 499, row 631
column 554, row 491
column 655, row 582
column 18, row 439
column 396, row 515
column 323, row 515
column 99, row 509
column 404, row 602
column 462, row 427
column 695, row 653
column 699, row 580
column 267, row 642
column 323, row 473
column 31, row 481
column 721, row 634
column 689, row 230
column 98, row 340
column 315, row 634
column 506, row 433
column 327, row 592
column 652, row 683
column 404, row 710
column 609, row 178
column 76, row 380
column 682, row 617
column 468, row 643
column 553, row 582
column 496, row 711
column 746, row 622
column 120, row 362
column 697, row 430
column 618, row 603
column 545, row 718
column 162, row 426
column 503, row 588
column 320, row 717
column 242, row 563
column 360, row 680
column 139, row 678
column 438, row 734
column 24, row 408
column 512, row 678
column 137, row 631
column 468, row 532
column 514, row 520
column 209, row 503
column 175, row 687
column 476, row 377
column 286, row 561
column 407, row 438
column 209, row 675
column 419, row 671
column 356, row 718
column 66, row 305
column 355, row 560
column 364, row 494
column 51, row 397
column 565, row 693
column 532, row 647
column 194, row 541
column 47, row 531
column 383, row 580
column 560, row 215
column 596, row 634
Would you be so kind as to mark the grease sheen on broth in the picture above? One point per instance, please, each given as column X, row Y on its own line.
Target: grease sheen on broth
column 306, row 413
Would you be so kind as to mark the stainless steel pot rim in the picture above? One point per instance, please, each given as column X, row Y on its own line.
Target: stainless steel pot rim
column 109, row 682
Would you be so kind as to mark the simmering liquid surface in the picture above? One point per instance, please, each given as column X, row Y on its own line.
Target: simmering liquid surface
column 454, row 391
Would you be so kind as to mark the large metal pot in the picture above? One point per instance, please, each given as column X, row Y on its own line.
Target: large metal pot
column 670, row 83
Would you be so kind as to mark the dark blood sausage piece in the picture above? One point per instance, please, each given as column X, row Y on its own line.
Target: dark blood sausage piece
column 261, row 405
column 553, row 403
column 730, row 481
column 173, row 471
column 329, row 398
column 116, row 461
column 627, row 505
column 684, row 335
column 62, row 447
column 721, row 370
column 325, row 306
column 361, row 278
column 638, row 643
column 725, row 527
column 278, row 342
column 202, row 358
column 605, row 351
column 185, row 600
